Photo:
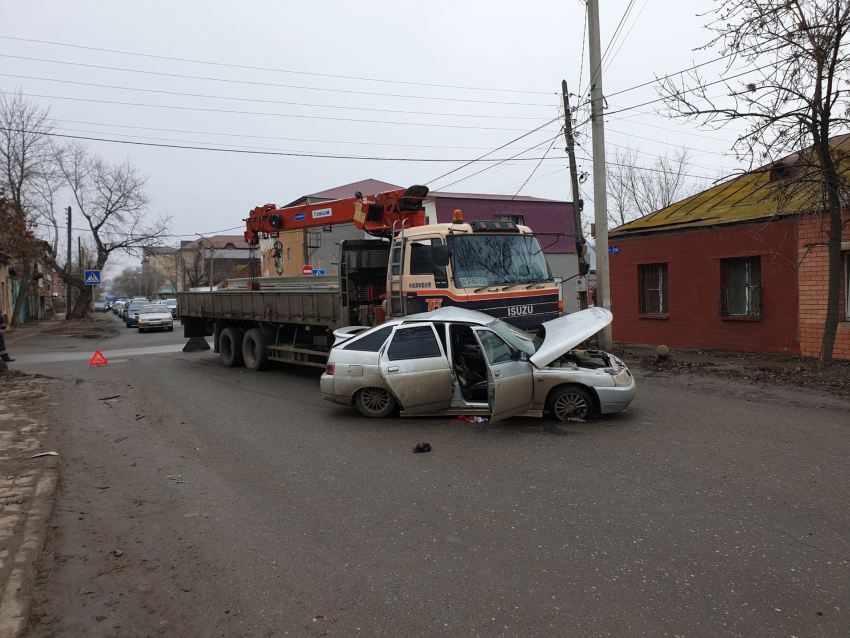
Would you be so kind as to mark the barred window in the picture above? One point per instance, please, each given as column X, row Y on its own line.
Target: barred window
column 652, row 279
column 740, row 295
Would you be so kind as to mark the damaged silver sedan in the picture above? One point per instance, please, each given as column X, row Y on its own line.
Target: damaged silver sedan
column 454, row 361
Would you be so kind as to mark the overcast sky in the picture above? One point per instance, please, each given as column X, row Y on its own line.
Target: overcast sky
column 523, row 49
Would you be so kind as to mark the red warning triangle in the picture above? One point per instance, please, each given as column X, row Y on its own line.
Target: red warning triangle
column 98, row 359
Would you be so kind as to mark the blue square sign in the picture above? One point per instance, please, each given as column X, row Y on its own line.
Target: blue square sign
column 92, row 277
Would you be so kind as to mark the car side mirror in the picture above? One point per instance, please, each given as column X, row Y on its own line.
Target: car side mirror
column 523, row 356
column 441, row 255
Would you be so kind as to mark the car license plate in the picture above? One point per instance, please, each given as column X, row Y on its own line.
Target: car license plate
column 520, row 311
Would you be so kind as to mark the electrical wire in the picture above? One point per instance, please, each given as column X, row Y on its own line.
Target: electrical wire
column 268, row 152
column 261, row 101
column 270, row 137
column 271, row 84
column 529, row 177
column 524, row 135
column 257, row 68
column 292, row 115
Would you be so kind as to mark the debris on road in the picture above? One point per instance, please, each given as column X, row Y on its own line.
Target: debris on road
column 421, row 447
column 118, row 553
column 469, row 419
column 110, row 398
column 35, row 456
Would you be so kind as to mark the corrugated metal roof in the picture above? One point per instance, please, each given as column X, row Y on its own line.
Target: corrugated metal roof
column 744, row 198
column 541, row 216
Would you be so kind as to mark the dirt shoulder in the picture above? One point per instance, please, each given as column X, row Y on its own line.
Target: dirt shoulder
column 100, row 328
column 786, row 371
column 27, row 485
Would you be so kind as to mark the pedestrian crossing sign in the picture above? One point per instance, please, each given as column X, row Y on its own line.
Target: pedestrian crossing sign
column 92, row 277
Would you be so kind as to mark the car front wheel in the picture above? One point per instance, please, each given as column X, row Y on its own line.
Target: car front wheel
column 570, row 403
column 376, row 403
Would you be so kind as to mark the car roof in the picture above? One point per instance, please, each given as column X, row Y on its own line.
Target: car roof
column 459, row 315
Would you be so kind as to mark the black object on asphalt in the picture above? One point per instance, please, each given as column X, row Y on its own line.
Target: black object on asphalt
column 421, row 447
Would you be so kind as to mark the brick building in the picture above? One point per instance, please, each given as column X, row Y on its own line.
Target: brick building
column 723, row 270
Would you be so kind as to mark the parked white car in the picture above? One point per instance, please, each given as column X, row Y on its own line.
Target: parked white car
column 454, row 361
column 155, row 317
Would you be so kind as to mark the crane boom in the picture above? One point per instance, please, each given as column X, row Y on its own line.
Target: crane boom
column 377, row 214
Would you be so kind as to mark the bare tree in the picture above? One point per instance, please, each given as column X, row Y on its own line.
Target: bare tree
column 113, row 203
column 636, row 189
column 25, row 156
column 794, row 103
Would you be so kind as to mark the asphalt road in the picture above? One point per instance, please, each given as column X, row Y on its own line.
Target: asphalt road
column 710, row 508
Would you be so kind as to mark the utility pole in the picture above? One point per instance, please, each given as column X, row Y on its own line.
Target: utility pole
column 571, row 152
column 80, row 265
column 600, row 195
column 68, row 269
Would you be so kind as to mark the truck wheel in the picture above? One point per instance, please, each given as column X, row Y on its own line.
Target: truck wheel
column 254, row 350
column 375, row 403
column 230, row 346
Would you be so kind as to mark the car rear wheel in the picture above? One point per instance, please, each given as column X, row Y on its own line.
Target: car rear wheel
column 376, row 403
column 254, row 350
column 230, row 347
column 570, row 403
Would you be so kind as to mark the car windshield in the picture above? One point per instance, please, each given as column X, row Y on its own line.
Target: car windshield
column 172, row 303
column 519, row 339
column 151, row 309
column 487, row 260
column 136, row 305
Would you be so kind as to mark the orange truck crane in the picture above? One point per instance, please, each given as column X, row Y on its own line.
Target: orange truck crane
column 409, row 266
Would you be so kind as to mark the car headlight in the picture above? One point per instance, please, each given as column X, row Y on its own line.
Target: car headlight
column 623, row 379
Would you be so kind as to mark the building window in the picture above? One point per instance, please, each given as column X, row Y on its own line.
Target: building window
column 652, row 279
column 847, row 286
column 740, row 295
column 516, row 219
column 289, row 255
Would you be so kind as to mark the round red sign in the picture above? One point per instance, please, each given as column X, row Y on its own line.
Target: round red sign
column 307, row 270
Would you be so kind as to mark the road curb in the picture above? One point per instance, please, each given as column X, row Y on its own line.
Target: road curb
column 17, row 593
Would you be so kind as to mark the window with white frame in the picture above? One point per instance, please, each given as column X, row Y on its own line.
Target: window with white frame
column 847, row 286
column 652, row 282
column 289, row 255
column 740, row 295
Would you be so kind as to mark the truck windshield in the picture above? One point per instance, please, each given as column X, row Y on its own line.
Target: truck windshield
column 486, row 260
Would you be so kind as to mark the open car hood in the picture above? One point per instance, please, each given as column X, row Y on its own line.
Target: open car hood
column 564, row 333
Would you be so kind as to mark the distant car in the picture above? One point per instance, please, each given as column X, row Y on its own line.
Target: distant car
column 155, row 317
column 100, row 306
column 131, row 312
column 455, row 361
column 116, row 307
column 172, row 306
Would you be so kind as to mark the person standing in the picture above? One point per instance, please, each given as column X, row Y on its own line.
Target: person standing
column 3, row 354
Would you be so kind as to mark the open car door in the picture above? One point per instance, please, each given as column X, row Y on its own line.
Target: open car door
column 416, row 370
column 510, row 381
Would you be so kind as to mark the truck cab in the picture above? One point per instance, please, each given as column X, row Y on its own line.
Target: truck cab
column 493, row 267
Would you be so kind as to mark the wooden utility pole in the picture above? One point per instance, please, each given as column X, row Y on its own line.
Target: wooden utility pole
column 571, row 152
column 68, row 269
column 600, row 194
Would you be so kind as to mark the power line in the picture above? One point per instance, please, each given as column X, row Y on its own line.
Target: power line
column 270, row 84
column 270, row 137
column 487, row 168
column 309, row 117
column 524, row 135
column 268, row 152
column 626, row 37
column 257, row 68
column 246, row 99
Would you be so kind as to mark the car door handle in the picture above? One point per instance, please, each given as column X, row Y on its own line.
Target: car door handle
column 497, row 373
column 392, row 369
